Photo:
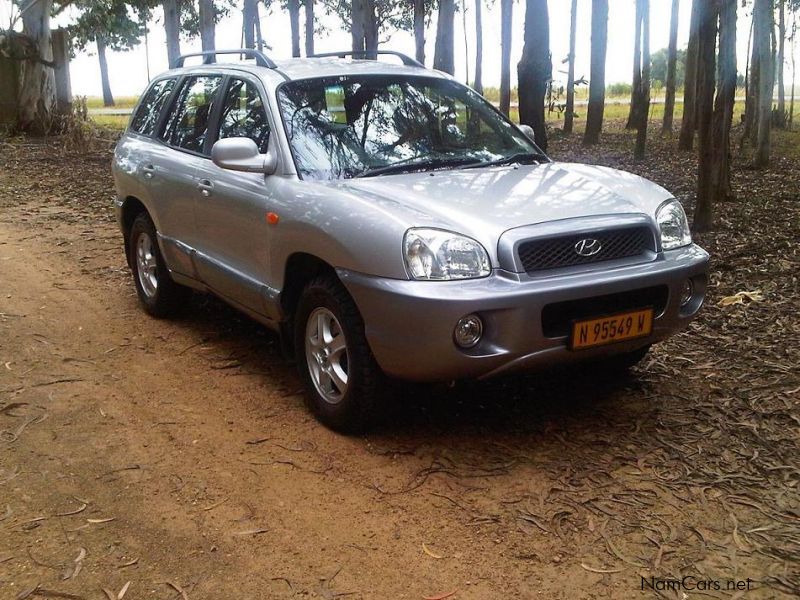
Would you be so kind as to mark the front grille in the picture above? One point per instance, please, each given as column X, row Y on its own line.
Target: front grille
column 557, row 318
column 556, row 252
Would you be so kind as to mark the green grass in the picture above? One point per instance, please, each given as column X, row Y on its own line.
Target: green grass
column 119, row 102
column 119, row 122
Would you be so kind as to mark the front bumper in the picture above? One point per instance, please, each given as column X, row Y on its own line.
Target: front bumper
column 409, row 324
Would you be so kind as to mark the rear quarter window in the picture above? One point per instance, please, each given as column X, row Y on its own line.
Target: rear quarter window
column 146, row 117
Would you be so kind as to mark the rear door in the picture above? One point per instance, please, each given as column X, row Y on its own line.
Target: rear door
column 133, row 157
column 230, row 206
column 174, row 164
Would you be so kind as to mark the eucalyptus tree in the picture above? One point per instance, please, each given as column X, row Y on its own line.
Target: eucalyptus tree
column 569, row 112
column 597, row 72
column 109, row 25
column 506, row 16
column 535, row 69
column 714, row 114
column 444, row 50
column 37, row 86
column 672, row 64
column 763, row 38
column 688, row 121
column 370, row 22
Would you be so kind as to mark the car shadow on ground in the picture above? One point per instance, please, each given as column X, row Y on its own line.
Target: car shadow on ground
column 569, row 399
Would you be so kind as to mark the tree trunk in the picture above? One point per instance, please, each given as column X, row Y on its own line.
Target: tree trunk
column 172, row 29
column 506, row 13
column 750, row 129
column 37, row 87
column 713, row 177
column 60, row 42
column 689, row 122
column 781, row 59
column 569, row 113
column 371, row 29
column 633, row 111
column 535, row 69
column 762, row 40
column 794, row 70
column 597, row 72
column 419, row 30
column 357, row 9
column 478, row 84
column 310, row 20
column 293, row 8
column 257, row 26
column 672, row 63
column 723, row 107
column 207, row 16
column 466, row 38
column 643, row 108
column 443, row 54
column 108, row 98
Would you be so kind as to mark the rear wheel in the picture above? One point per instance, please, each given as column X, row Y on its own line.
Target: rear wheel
column 158, row 294
column 343, row 381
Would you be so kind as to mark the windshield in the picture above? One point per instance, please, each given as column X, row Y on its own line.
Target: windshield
column 342, row 127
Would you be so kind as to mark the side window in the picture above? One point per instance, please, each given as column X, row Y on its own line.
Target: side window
column 146, row 117
column 244, row 115
column 187, row 124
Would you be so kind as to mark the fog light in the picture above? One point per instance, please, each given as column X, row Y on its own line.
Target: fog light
column 687, row 291
column 468, row 331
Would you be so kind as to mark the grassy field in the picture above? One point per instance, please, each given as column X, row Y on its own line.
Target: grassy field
column 615, row 115
column 119, row 102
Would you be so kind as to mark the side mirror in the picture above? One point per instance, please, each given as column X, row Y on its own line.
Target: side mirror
column 528, row 131
column 241, row 154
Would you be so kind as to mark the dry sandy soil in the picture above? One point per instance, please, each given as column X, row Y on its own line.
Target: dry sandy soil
column 174, row 459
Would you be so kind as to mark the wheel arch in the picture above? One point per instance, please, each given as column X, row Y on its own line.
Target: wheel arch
column 131, row 208
column 301, row 267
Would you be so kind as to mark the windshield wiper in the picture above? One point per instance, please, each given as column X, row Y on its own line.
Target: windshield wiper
column 420, row 165
column 518, row 158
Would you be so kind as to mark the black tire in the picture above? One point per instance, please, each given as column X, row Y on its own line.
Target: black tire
column 165, row 297
column 360, row 405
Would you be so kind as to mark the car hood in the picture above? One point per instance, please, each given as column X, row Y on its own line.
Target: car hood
column 485, row 202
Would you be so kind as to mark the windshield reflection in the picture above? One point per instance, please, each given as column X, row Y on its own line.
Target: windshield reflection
column 343, row 127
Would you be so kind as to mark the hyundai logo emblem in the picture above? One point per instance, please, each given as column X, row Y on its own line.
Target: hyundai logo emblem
column 588, row 247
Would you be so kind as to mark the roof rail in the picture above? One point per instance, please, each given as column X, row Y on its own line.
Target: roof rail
column 407, row 60
column 262, row 60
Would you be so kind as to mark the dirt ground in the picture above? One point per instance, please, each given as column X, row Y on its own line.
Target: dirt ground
column 174, row 459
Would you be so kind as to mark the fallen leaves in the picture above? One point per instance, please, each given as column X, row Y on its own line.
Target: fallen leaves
column 741, row 297
column 119, row 595
column 72, row 572
column 430, row 552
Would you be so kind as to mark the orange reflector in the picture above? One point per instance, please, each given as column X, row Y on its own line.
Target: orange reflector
column 272, row 218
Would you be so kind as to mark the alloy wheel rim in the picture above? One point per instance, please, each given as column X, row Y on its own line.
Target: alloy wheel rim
column 326, row 355
column 146, row 265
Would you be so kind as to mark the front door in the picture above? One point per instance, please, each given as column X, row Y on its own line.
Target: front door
column 231, row 207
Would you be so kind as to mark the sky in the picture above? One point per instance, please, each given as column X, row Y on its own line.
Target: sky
column 128, row 70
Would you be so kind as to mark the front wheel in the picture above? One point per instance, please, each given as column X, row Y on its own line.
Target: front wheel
column 159, row 295
column 343, row 381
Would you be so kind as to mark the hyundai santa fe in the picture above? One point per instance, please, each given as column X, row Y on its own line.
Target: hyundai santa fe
column 389, row 222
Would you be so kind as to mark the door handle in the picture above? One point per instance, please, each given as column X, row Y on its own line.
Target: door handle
column 149, row 171
column 205, row 186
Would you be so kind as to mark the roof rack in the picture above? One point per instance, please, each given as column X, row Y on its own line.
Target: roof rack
column 407, row 60
column 262, row 60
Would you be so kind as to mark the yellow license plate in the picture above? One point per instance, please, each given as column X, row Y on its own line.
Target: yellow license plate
column 614, row 328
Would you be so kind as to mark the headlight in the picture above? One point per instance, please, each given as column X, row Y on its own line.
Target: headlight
column 434, row 254
column 673, row 225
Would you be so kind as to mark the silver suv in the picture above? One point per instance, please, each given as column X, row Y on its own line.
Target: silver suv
column 387, row 221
